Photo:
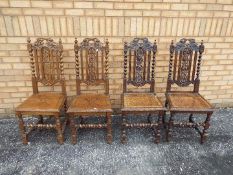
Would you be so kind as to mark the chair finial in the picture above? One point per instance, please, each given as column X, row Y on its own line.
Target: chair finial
column 28, row 40
column 76, row 41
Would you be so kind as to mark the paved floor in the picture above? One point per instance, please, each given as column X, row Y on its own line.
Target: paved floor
column 183, row 155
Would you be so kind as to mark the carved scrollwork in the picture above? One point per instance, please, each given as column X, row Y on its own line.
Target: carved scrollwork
column 141, row 47
column 186, row 48
column 46, row 60
column 141, row 43
column 186, row 53
column 186, row 61
column 45, row 42
column 139, row 81
column 92, row 74
column 93, row 56
column 91, row 43
column 190, row 43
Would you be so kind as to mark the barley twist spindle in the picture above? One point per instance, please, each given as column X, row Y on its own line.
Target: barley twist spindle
column 61, row 58
column 30, row 49
column 106, row 58
column 125, row 60
column 153, row 61
column 201, row 50
column 76, row 49
column 172, row 47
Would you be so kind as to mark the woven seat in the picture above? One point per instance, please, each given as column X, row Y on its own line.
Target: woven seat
column 42, row 102
column 141, row 102
column 90, row 103
column 186, row 101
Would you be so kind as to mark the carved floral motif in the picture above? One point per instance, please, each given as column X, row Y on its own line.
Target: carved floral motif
column 186, row 61
column 46, row 57
column 141, row 46
column 93, row 49
column 92, row 73
column 185, row 47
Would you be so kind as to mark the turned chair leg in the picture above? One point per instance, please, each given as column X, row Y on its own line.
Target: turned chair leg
column 41, row 121
column 191, row 118
column 123, row 130
column 157, row 129
column 109, row 128
column 164, row 116
column 169, row 127
column 22, row 129
column 82, row 120
column 60, row 138
column 164, row 120
column 206, row 126
column 149, row 118
column 73, row 130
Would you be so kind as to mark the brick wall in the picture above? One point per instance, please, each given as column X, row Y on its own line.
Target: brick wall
column 119, row 21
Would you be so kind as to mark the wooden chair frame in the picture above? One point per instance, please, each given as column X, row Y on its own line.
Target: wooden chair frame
column 91, row 75
column 142, row 72
column 44, row 51
column 183, row 71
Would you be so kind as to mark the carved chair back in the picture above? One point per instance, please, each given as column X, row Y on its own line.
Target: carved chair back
column 46, row 63
column 91, row 59
column 184, row 64
column 139, row 63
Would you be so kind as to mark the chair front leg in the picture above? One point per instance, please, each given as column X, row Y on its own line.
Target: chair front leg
column 206, row 126
column 22, row 129
column 164, row 120
column 109, row 128
column 41, row 121
column 60, row 138
column 169, row 127
column 164, row 115
column 191, row 118
column 73, row 130
column 157, row 128
column 123, row 130
column 149, row 118
column 82, row 120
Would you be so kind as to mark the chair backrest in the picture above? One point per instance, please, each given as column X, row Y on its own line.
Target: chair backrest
column 46, row 63
column 91, row 59
column 184, row 64
column 139, row 63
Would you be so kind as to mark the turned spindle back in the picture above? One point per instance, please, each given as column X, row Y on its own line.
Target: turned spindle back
column 139, row 63
column 184, row 64
column 46, row 63
column 91, row 58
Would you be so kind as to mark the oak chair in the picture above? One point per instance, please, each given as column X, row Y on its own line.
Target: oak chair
column 184, row 70
column 139, row 70
column 47, row 69
column 91, row 59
